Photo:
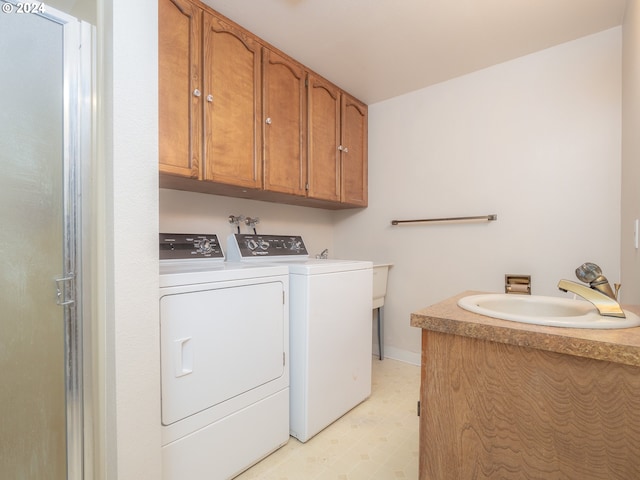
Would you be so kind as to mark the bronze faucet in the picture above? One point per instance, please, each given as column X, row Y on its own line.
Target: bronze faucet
column 599, row 292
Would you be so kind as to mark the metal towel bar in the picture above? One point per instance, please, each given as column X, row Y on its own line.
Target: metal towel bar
column 489, row 218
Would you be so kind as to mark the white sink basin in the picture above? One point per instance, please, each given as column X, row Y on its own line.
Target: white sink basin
column 540, row 310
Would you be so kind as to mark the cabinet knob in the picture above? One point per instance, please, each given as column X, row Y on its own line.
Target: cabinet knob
column 196, row 93
column 209, row 98
column 268, row 121
column 343, row 149
column 340, row 147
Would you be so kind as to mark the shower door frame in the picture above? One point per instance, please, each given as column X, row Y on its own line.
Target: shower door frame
column 73, row 287
column 74, row 292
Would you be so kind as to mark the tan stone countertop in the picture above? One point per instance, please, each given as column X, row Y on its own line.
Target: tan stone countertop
column 619, row 345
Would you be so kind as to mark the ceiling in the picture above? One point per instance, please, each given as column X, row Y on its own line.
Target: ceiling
column 379, row 49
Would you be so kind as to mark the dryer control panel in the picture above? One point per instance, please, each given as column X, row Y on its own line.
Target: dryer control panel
column 242, row 246
column 188, row 245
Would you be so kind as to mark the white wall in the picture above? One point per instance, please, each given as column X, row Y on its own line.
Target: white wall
column 535, row 140
column 81, row 9
column 187, row 212
column 630, row 256
column 128, row 240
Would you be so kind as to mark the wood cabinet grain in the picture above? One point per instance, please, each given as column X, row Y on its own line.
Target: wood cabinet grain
column 496, row 411
column 354, row 154
column 284, row 124
column 338, row 139
column 240, row 118
column 232, row 105
column 324, row 139
column 179, row 85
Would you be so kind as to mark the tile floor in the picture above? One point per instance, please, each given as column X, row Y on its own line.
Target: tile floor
column 377, row 440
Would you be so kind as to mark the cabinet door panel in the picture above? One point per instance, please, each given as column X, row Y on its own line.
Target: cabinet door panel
column 232, row 117
column 324, row 138
column 354, row 188
column 284, row 124
column 180, row 119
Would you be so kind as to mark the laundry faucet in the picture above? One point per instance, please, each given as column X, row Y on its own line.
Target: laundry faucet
column 324, row 254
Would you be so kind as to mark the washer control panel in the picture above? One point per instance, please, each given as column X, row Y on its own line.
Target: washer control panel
column 185, row 245
column 249, row 245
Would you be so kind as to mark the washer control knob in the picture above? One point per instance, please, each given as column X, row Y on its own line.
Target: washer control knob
column 264, row 245
column 252, row 244
column 295, row 245
column 204, row 246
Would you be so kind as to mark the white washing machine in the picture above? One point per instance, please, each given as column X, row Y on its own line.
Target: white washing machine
column 224, row 332
column 330, row 328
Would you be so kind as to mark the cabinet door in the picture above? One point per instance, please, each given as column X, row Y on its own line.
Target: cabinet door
column 353, row 173
column 232, row 102
column 284, row 124
column 324, row 139
column 179, row 80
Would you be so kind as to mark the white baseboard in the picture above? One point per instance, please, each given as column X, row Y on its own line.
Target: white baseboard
column 399, row 354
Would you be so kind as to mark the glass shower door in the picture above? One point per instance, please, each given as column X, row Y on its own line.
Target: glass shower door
column 37, row 238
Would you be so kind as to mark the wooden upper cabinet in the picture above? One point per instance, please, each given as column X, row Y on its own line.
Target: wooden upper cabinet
column 338, row 139
column 232, row 104
column 179, row 119
column 354, row 163
column 284, row 124
column 324, row 138
column 238, row 117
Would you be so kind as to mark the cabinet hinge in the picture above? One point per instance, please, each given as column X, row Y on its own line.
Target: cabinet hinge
column 418, row 407
column 284, row 359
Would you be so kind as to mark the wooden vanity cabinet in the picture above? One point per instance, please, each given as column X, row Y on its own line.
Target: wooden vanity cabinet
column 337, row 144
column 284, row 124
column 511, row 400
column 493, row 411
column 179, row 82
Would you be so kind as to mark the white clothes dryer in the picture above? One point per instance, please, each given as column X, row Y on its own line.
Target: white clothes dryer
column 224, row 332
column 330, row 328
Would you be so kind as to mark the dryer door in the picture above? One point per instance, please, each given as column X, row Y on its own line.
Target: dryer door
column 217, row 343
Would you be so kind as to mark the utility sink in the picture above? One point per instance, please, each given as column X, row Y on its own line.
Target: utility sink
column 541, row 310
